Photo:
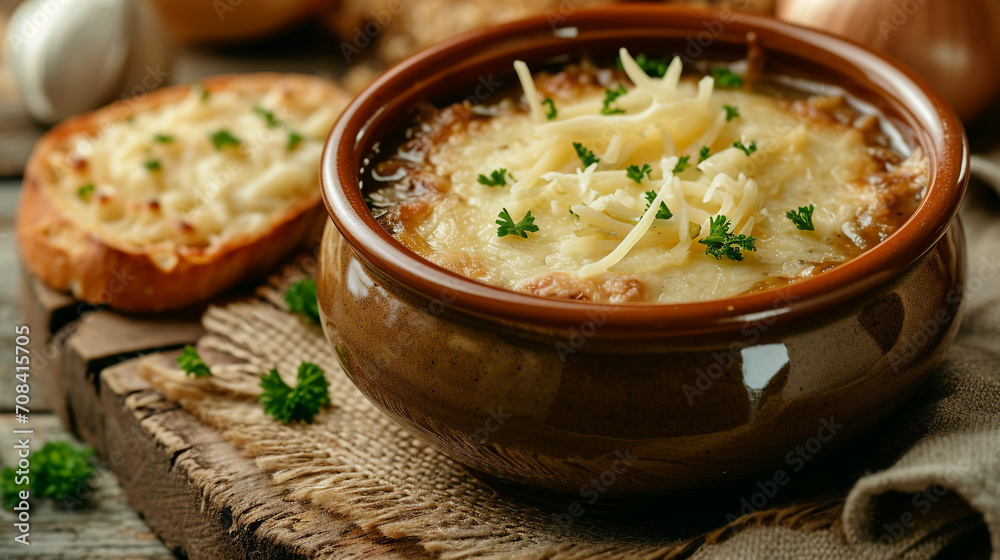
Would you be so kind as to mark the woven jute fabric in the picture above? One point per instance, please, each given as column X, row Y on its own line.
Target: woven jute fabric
column 924, row 483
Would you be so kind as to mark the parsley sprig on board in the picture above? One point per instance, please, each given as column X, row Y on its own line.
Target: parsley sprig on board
column 192, row 364
column 301, row 299
column 301, row 403
column 59, row 471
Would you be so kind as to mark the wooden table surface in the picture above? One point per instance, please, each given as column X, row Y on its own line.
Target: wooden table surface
column 106, row 527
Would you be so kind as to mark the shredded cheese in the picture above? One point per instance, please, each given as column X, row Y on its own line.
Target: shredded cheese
column 595, row 221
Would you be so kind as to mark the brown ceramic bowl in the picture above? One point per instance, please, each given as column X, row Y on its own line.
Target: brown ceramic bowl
column 555, row 393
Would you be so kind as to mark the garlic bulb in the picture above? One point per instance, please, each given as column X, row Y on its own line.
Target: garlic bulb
column 955, row 45
column 70, row 56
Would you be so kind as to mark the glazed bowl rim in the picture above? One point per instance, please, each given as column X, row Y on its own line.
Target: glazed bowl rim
column 935, row 127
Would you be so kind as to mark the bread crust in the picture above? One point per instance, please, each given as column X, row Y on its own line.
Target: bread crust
column 103, row 272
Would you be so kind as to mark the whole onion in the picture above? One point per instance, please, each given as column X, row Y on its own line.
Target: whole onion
column 955, row 45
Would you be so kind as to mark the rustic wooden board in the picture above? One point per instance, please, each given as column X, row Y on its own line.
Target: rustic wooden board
column 192, row 488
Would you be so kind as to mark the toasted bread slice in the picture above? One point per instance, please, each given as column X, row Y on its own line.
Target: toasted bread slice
column 164, row 200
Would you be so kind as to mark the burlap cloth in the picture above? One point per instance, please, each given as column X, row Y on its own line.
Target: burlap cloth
column 925, row 483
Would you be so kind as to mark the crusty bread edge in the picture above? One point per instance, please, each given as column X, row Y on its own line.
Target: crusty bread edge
column 99, row 273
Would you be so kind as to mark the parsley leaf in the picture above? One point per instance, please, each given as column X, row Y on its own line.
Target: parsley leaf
column 223, row 138
column 725, row 78
column 635, row 173
column 192, row 364
column 704, row 154
column 85, row 191
column 721, row 243
column 9, row 489
column 203, row 93
column 521, row 228
column 295, row 404
column 59, row 471
column 496, row 179
column 655, row 67
column 550, row 108
column 152, row 165
column 163, row 138
column 301, row 299
column 610, row 95
column 272, row 121
column 662, row 213
column 746, row 149
column 731, row 112
column 294, row 139
column 803, row 219
column 682, row 164
column 586, row 156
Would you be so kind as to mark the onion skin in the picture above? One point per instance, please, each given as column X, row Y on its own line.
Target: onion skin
column 955, row 46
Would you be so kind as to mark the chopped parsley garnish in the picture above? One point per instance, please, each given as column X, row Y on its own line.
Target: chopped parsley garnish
column 370, row 203
column 223, row 138
column 295, row 404
column 682, row 164
column 662, row 213
column 746, row 149
column 163, row 138
column 575, row 215
column 586, row 156
column 498, row 178
column 550, row 108
column 610, row 95
column 152, row 165
column 521, row 228
column 803, row 219
column 294, row 139
column 655, row 67
column 731, row 112
column 721, row 243
column 272, row 121
column 635, row 172
column 725, row 78
column 704, row 154
column 60, row 471
column 301, row 299
column 204, row 94
column 192, row 364
column 85, row 191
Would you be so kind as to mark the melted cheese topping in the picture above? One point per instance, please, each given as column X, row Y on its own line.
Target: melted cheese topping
column 595, row 222
column 158, row 183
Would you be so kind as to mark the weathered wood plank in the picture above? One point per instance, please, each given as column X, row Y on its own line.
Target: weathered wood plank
column 207, row 501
